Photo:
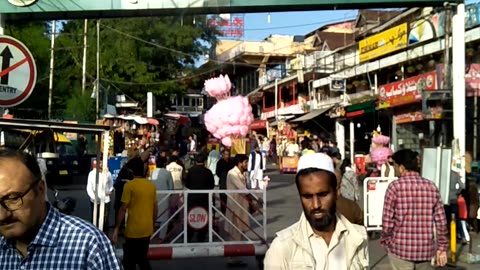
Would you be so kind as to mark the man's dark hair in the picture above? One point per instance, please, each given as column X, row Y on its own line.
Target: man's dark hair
column 337, row 155
column 225, row 151
column 28, row 160
column 161, row 162
column 407, row 158
column 239, row 158
column 137, row 165
column 173, row 158
column 307, row 171
column 201, row 158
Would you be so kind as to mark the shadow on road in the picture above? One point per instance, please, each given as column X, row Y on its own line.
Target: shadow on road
column 281, row 185
column 276, row 202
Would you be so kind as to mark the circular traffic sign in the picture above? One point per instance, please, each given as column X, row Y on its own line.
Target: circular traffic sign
column 22, row 3
column 197, row 218
column 18, row 73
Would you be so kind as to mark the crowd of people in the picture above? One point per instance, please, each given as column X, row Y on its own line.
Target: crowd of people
column 329, row 234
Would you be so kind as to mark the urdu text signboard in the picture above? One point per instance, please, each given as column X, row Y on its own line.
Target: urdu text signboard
column 388, row 41
column 406, row 91
column 18, row 73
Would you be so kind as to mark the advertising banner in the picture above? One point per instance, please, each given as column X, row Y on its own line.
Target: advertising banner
column 406, row 91
column 388, row 41
column 433, row 113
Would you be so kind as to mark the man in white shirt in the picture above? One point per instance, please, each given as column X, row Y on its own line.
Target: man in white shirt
column 177, row 172
column 192, row 144
column 103, row 190
column 256, row 165
column 163, row 181
column 292, row 148
column 322, row 238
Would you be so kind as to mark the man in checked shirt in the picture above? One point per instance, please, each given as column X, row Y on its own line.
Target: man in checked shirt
column 413, row 209
column 33, row 234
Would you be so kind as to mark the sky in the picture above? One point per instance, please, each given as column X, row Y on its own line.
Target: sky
column 257, row 26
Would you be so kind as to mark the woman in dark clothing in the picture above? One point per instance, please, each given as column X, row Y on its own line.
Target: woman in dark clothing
column 125, row 175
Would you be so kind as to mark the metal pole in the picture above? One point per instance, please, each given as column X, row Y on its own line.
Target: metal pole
column 84, row 63
column 475, row 127
column 458, row 82
column 352, row 142
column 2, row 24
column 276, row 99
column 310, row 97
column 52, row 56
column 103, row 181
column 98, row 72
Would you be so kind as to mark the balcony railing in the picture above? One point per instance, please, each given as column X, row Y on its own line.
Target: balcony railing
column 259, row 48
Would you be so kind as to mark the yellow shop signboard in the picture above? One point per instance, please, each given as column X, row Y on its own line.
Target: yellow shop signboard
column 388, row 41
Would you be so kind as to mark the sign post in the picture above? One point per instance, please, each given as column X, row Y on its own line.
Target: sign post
column 18, row 73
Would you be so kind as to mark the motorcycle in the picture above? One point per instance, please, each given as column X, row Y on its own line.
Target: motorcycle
column 64, row 205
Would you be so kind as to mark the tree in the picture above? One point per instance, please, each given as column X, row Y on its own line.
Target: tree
column 137, row 55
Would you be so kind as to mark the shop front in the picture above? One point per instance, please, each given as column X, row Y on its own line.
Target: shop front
column 413, row 125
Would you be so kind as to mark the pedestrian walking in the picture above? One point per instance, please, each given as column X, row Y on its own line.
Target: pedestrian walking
column 412, row 209
column 198, row 178
column 139, row 200
column 256, row 165
column 322, row 238
column 104, row 191
column 224, row 165
column 163, row 181
column 33, row 234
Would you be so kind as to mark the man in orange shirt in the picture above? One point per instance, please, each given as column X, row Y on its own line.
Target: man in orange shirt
column 139, row 199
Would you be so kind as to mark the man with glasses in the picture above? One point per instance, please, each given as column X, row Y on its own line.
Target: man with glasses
column 33, row 235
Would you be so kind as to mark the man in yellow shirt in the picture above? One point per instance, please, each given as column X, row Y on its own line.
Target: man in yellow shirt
column 139, row 199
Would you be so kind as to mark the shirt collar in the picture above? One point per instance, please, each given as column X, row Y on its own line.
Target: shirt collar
column 46, row 236
column 339, row 228
column 410, row 174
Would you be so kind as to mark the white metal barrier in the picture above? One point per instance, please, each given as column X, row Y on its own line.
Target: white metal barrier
column 374, row 189
column 177, row 220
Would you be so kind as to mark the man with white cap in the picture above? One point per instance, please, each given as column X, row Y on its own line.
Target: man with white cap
column 322, row 238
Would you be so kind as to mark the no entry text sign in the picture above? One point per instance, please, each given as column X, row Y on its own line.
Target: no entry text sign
column 18, row 72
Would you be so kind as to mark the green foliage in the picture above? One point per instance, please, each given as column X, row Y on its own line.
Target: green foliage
column 80, row 107
column 128, row 65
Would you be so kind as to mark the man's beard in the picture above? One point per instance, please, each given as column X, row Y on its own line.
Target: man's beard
column 323, row 223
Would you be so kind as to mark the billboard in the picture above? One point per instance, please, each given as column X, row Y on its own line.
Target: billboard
column 406, row 91
column 77, row 9
column 388, row 41
column 229, row 25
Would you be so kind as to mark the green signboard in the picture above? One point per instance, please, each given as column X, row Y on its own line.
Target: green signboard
column 68, row 9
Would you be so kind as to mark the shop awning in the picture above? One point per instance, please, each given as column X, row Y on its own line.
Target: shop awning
column 312, row 114
column 284, row 118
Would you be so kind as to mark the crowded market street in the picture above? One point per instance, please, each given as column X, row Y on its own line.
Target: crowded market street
column 283, row 210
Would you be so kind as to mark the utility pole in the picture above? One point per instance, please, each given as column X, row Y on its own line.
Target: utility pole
column 52, row 55
column 447, row 83
column 84, row 64
column 458, row 83
column 97, row 94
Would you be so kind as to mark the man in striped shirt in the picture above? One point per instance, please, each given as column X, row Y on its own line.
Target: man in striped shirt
column 413, row 209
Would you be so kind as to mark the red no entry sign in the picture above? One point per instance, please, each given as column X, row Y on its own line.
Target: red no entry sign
column 18, row 72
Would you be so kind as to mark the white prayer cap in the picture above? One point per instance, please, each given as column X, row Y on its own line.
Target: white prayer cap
column 318, row 161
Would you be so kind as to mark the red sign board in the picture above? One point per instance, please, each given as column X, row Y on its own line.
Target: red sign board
column 229, row 25
column 406, row 91
column 472, row 79
column 258, row 124
column 433, row 113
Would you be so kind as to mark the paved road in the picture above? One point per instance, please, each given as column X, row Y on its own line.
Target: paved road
column 283, row 210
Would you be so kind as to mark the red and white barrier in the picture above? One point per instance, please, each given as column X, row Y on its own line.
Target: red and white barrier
column 169, row 253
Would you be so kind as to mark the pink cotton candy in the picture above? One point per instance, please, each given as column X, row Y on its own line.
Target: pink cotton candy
column 230, row 117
